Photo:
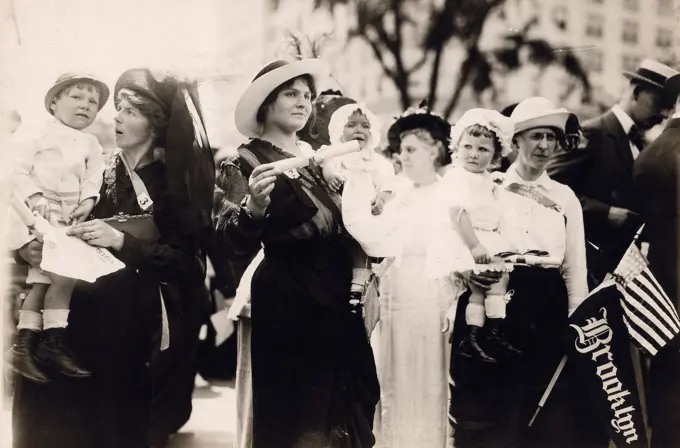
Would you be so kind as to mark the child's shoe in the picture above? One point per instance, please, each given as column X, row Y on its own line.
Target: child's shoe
column 54, row 351
column 498, row 340
column 470, row 347
column 20, row 357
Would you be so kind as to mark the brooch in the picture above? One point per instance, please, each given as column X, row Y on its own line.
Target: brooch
column 292, row 173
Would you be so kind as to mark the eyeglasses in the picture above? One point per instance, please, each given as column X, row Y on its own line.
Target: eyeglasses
column 538, row 137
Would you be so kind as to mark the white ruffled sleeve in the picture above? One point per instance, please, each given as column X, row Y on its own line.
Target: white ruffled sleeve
column 378, row 235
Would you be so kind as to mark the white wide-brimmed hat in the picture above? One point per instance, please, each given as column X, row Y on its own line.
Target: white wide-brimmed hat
column 539, row 112
column 68, row 79
column 652, row 73
column 266, row 81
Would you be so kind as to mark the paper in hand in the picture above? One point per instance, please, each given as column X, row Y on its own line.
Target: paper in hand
column 71, row 257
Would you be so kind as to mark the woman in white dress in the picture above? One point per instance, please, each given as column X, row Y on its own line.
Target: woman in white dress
column 412, row 351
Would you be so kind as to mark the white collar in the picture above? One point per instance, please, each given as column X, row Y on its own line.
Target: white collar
column 543, row 180
column 626, row 122
column 676, row 114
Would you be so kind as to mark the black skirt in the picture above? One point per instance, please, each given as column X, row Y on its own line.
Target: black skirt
column 492, row 404
column 314, row 376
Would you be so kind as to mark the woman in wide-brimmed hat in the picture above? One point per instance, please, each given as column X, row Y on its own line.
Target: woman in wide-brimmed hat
column 492, row 405
column 412, row 351
column 313, row 374
column 154, row 204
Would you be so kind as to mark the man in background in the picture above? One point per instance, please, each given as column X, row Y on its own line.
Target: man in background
column 601, row 171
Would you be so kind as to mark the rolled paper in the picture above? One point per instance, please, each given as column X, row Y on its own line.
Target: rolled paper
column 289, row 164
column 320, row 157
column 337, row 151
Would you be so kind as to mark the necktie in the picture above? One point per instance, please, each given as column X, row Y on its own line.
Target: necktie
column 635, row 136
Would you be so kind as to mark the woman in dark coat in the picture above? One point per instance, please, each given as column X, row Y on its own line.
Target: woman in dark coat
column 313, row 375
column 119, row 324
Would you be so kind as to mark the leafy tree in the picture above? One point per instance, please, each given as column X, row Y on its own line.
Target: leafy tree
column 382, row 24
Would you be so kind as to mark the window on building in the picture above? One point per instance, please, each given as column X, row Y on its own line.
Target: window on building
column 665, row 7
column 630, row 62
column 631, row 5
column 594, row 61
column 664, row 38
column 630, row 32
column 560, row 17
column 594, row 25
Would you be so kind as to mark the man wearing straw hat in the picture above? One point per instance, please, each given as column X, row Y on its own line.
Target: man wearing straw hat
column 600, row 172
column 656, row 180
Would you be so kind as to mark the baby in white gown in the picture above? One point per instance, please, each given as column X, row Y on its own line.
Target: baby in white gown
column 481, row 231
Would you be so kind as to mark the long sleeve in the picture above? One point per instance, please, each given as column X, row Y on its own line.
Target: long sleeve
column 94, row 169
column 570, row 168
column 240, row 234
column 574, row 269
column 376, row 234
column 168, row 259
column 24, row 151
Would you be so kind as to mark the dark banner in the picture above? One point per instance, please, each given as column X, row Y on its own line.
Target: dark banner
column 599, row 347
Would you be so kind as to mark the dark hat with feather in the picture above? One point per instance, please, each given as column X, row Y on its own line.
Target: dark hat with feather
column 190, row 167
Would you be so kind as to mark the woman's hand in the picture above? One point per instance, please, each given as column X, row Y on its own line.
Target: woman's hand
column 32, row 253
column 480, row 254
column 483, row 280
column 260, row 186
column 98, row 233
column 450, row 317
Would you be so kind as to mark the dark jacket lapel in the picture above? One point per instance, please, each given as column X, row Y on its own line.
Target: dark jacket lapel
column 618, row 140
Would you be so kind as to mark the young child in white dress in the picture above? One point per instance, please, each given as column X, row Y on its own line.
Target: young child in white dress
column 478, row 141
column 356, row 122
column 58, row 173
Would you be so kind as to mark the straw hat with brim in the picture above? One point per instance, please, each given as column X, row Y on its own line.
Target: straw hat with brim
column 265, row 82
column 68, row 79
column 652, row 73
column 539, row 112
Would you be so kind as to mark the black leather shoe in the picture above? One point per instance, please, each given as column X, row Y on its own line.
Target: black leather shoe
column 498, row 340
column 20, row 357
column 470, row 347
column 53, row 351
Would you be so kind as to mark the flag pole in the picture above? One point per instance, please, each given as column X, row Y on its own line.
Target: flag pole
column 549, row 389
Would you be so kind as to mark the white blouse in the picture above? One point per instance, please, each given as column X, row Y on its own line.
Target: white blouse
column 543, row 228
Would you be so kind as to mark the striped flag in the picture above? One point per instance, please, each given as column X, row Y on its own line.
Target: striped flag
column 649, row 315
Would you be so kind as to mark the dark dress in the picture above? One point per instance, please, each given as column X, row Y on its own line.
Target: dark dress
column 313, row 373
column 492, row 404
column 115, row 330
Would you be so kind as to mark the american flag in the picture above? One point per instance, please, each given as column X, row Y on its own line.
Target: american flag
column 649, row 315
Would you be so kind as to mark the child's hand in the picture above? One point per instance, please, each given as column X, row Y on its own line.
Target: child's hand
column 480, row 254
column 334, row 181
column 40, row 205
column 378, row 204
column 83, row 210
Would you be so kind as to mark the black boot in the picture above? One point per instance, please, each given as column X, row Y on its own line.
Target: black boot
column 54, row 351
column 20, row 357
column 470, row 347
column 498, row 340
